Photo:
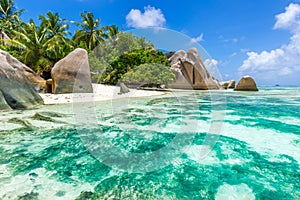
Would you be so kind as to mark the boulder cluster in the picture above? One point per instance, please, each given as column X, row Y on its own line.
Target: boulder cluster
column 191, row 73
column 19, row 85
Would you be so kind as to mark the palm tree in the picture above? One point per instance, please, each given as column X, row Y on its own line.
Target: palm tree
column 111, row 33
column 56, row 27
column 59, row 45
column 43, row 45
column 9, row 16
column 33, row 42
column 90, row 35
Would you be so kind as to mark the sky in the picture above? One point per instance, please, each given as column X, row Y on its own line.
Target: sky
column 260, row 38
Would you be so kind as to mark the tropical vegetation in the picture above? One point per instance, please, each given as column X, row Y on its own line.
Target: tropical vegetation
column 111, row 50
column 90, row 33
column 131, row 60
column 40, row 44
column 9, row 17
column 150, row 74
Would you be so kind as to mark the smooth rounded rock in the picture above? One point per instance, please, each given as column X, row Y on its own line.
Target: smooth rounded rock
column 19, row 85
column 246, row 83
column 72, row 74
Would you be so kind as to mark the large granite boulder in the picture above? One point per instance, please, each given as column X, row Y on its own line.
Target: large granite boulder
column 19, row 85
column 191, row 72
column 36, row 81
column 246, row 83
column 72, row 74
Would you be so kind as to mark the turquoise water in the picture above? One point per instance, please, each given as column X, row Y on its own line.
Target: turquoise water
column 156, row 148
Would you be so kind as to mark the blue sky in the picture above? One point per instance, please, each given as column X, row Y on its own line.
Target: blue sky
column 243, row 37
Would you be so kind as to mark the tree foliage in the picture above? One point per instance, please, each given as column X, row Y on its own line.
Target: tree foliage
column 112, row 48
column 9, row 17
column 41, row 46
column 56, row 27
column 90, row 33
column 111, row 32
column 33, row 43
column 129, row 61
column 150, row 74
column 57, row 31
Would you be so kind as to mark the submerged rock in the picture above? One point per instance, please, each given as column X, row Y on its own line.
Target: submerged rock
column 29, row 196
column 40, row 117
column 191, row 72
column 246, row 83
column 25, row 124
column 19, row 85
column 72, row 74
column 52, row 114
column 86, row 196
column 46, row 118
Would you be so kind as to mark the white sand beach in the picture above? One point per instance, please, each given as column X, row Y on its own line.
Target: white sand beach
column 101, row 93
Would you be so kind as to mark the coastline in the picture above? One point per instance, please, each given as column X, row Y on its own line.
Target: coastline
column 101, row 93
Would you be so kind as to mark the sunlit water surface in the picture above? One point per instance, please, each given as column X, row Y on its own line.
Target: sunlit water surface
column 257, row 156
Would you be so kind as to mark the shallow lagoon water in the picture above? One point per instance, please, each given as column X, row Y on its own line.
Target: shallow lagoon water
column 43, row 153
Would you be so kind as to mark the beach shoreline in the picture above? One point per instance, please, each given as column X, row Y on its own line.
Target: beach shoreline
column 101, row 93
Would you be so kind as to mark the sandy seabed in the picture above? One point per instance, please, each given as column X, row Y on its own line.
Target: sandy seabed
column 101, row 93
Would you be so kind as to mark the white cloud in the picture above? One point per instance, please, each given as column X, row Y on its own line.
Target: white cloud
column 232, row 40
column 197, row 39
column 289, row 19
column 281, row 62
column 233, row 54
column 227, row 75
column 235, row 40
column 245, row 50
column 151, row 17
column 210, row 64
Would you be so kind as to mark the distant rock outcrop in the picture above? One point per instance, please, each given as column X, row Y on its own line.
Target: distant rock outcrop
column 191, row 72
column 246, row 83
column 231, row 84
column 72, row 74
column 224, row 85
column 19, row 85
column 228, row 84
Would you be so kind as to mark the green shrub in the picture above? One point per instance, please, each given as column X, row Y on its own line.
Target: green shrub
column 129, row 61
column 150, row 75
